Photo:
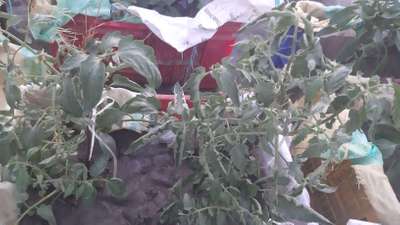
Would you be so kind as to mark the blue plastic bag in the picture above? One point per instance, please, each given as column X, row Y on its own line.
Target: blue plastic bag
column 285, row 47
column 360, row 151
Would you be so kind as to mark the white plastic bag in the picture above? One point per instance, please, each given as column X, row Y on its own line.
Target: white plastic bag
column 184, row 32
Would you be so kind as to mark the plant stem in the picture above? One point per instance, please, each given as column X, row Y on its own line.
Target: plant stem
column 210, row 207
column 36, row 205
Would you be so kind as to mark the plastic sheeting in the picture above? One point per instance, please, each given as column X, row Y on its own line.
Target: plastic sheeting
column 45, row 27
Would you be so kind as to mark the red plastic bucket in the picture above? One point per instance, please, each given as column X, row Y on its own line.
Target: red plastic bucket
column 174, row 66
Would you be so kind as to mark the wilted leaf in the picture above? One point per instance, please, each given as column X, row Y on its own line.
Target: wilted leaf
column 92, row 76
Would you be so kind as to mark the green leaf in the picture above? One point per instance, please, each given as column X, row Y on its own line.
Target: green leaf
column 342, row 18
column 141, row 58
column 396, row 105
column 286, row 19
column 316, row 148
column 46, row 212
column 301, row 135
column 397, row 40
column 73, row 62
column 291, row 210
column 336, row 79
column 109, row 118
column 265, row 93
column 387, row 147
column 13, row 95
column 181, row 107
column 22, row 178
column 110, row 41
column 221, row 217
column 188, row 203
column 388, row 132
column 356, row 119
column 69, row 188
column 33, row 66
column 348, row 50
column 68, row 99
column 225, row 77
column 116, row 188
column 299, row 67
column 141, row 104
column 239, row 156
column 87, row 192
column 339, row 104
column 312, row 89
column 79, row 171
column 193, row 85
column 99, row 165
column 101, row 162
column 5, row 151
column 32, row 137
column 92, row 76
column 123, row 82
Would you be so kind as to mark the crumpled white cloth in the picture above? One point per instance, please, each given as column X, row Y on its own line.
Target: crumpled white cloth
column 183, row 32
